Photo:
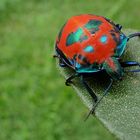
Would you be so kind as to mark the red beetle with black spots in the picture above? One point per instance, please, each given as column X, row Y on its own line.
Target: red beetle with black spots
column 91, row 44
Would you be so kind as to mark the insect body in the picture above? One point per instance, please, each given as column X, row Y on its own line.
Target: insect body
column 91, row 44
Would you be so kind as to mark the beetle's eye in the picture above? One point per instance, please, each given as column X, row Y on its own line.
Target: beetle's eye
column 119, row 26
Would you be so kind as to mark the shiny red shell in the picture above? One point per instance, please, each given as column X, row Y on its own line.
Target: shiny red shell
column 88, row 39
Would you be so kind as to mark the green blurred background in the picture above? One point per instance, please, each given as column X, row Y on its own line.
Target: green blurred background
column 34, row 102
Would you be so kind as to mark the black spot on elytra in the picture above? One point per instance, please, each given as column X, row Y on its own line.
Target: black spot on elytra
column 93, row 25
column 77, row 36
column 83, row 59
column 117, row 40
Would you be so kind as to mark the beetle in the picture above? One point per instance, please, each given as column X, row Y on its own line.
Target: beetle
column 91, row 44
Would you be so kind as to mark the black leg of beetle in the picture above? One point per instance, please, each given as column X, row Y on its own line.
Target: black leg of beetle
column 130, row 64
column 119, row 26
column 90, row 91
column 61, row 62
column 105, row 93
column 56, row 56
column 69, row 80
column 134, row 35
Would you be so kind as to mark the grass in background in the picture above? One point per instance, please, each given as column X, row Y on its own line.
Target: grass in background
column 34, row 102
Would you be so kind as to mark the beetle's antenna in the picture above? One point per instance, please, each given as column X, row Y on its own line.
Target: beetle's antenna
column 134, row 35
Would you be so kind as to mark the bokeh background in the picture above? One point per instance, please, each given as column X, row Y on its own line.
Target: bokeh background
column 34, row 102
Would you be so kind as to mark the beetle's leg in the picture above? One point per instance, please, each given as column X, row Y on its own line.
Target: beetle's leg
column 69, row 80
column 105, row 93
column 119, row 26
column 90, row 91
column 133, row 35
column 61, row 62
column 130, row 64
column 56, row 56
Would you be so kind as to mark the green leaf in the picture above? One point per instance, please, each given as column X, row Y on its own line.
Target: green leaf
column 119, row 111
